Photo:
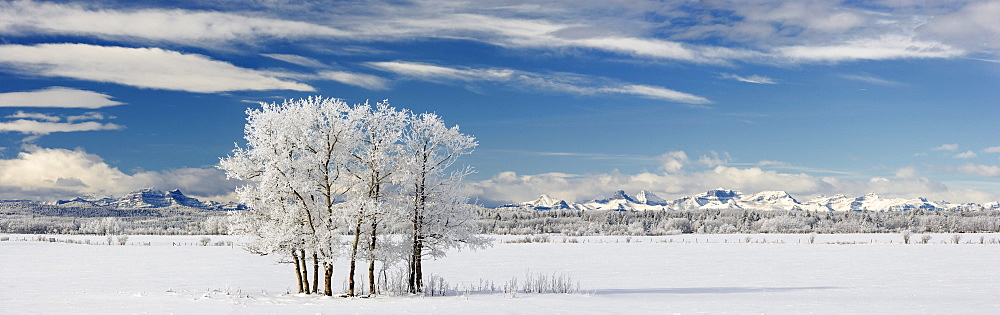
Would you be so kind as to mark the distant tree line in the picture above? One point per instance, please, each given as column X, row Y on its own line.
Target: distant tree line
column 663, row 222
column 34, row 218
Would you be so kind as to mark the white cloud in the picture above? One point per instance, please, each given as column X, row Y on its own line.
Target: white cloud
column 34, row 127
column 298, row 60
column 662, row 49
column 753, row 78
column 367, row 81
column 992, row 149
column 183, row 26
column 713, row 159
column 975, row 25
column 429, row 72
column 655, row 92
column 52, row 173
column 673, row 162
column 140, row 67
column 867, row 78
column 762, row 31
column 907, row 172
column 755, row 31
column 883, row 48
column 56, row 97
column 946, row 147
column 965, row 155
column 771, row 163
column 566, row 83
column 35, row 116
column 980, row 170
column 86, row 116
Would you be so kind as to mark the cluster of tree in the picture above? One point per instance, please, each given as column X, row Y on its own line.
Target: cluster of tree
column 369, row 182
column 662, row 222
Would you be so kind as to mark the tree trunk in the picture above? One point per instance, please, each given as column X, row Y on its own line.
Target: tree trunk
column 417, row 266
column 327, row 278
column 371, row 259
column 298, row 272
column 411, row 273
column 419, row 202
column 354, row 259
column 315, row 273
column 305, row 271
column 412, row 268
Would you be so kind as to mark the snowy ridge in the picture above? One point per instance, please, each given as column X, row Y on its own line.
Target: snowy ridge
column 720, row 199
column 149, row 198
column 544, row 202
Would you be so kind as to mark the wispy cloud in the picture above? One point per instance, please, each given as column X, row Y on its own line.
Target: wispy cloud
column 594, row 156
column 980, row 170
column 946, row 147
column 656, row 92
column 298, row 60
column 140, row 67
column 974, row 25
column 35, row 116
column 367, row 81
column 870, row 79
column 992, row 149
column 759, row 31
column 966, row 155
column 429, row 72
column 781, row 165
column 753, row 78
column 883, row 48
column 87, row 116
column 56, row 97
column 565, row 83
column 174, row 25
column 33, row 127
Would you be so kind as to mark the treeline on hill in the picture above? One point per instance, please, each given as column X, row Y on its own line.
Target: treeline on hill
column 662, row 222
column 33, row 218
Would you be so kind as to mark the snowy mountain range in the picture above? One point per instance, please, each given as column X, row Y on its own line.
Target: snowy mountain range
column 718, row 199
column 149, row 198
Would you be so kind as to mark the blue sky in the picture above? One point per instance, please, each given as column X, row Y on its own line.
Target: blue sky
column 574, row 99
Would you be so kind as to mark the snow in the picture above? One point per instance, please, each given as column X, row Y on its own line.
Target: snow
column 761, row 273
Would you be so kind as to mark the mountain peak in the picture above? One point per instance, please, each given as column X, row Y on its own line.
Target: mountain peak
column 649, row 198
column 620, row 194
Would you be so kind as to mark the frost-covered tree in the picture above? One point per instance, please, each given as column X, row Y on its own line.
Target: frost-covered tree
column 438, row 216
column 293, row 160
column 318, row 169
column 105, row 226
column 374, row 168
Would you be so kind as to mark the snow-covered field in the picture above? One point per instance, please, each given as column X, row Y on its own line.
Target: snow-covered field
column 862, row 273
